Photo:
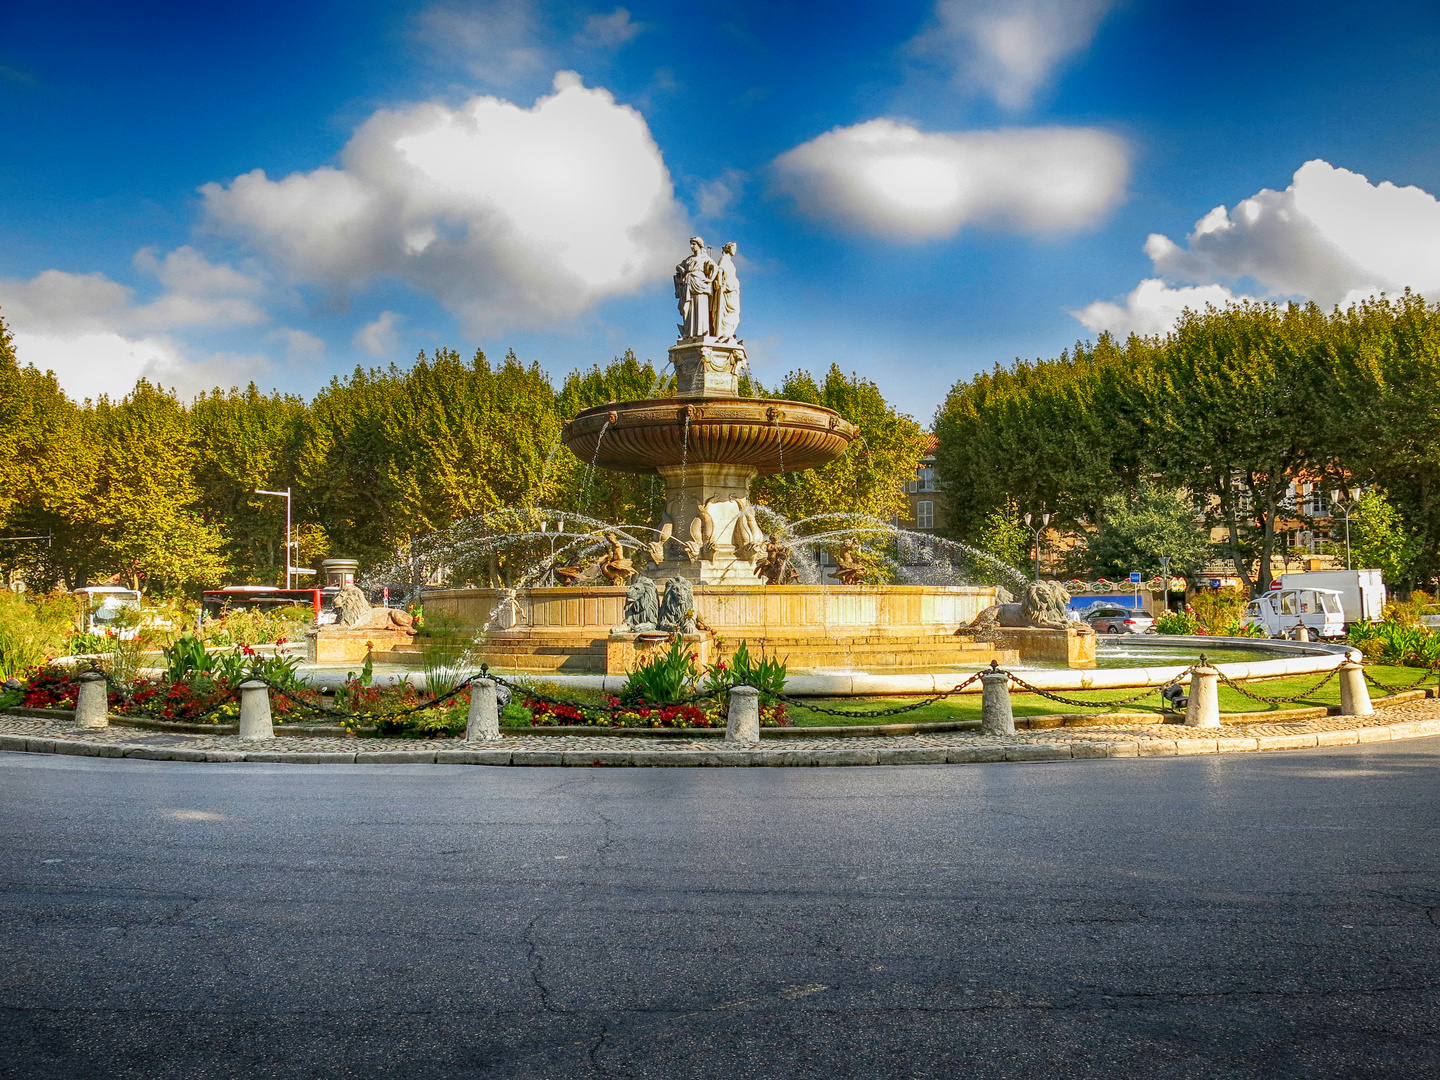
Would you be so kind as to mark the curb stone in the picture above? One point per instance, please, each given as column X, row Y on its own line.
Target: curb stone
column 1063, row 744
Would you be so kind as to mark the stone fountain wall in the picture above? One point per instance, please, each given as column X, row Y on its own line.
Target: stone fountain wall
column 875, row 628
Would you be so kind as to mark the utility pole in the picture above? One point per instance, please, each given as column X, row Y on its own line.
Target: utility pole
column 1044, row 523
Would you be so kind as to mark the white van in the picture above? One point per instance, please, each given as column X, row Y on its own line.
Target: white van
column 110, row 611
column 1280, row 611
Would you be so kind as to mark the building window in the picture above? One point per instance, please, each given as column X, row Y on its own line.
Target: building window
column 927, row 479
column 924, row 514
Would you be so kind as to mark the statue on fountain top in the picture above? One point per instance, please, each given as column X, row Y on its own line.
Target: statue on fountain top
column 726, row 298
column 695, row 280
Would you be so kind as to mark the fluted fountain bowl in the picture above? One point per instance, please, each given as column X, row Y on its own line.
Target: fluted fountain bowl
column 767, row 434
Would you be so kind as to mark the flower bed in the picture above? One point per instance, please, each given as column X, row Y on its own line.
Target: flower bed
column 706, row 714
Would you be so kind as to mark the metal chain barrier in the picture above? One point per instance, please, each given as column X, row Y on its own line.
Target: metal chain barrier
column 323, row 710
column 127, row 700
column 1427, row 673
column 1151, row 692
column 532, row 694
column 1277, row 700
column 896, row 711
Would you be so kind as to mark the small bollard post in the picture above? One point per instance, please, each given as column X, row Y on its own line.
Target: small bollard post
column 996, row 716
column 483, row 721
column 1354, row 694
column 742, row 723
column 92, row 703
column 1204, row 707
column 1302, row 633
column 255, row 720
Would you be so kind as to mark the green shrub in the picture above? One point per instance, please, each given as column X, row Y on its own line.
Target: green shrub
column 32, row 631
column 665, row 678
column 1395, row 643
column 1177, row 622
column 765, row 674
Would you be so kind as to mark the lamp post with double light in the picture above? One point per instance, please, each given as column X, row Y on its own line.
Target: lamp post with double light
column 1037, row 530
column 286, row 496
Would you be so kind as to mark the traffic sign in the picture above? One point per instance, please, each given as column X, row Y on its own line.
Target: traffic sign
column 1134, row 577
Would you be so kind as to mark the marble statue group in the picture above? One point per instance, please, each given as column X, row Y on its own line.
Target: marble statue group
column 708, row 291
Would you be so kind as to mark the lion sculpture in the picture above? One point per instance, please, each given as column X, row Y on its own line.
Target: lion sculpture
column 1045, row 605
column 677, row 609
column 642, row 607
column 356, row 613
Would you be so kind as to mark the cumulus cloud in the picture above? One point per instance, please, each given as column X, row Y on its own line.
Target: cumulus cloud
column 92, row 333
column 888, row 178
column 1010, row 48
column 1331, row 236
column 509, row 216
column 1151, row 309
column 381, row 337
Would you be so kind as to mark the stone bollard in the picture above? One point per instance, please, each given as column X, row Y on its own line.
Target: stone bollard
column 484, row 717
column 742, row 724
column 996, row 716
column 1204, row 707
column 92, row 703
column 1354, row 694
column 255, row 722
column 1302, row 633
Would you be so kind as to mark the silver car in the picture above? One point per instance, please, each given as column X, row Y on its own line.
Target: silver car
column 1113, row 619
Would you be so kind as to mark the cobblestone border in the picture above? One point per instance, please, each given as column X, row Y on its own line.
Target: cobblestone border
column 1411, row 719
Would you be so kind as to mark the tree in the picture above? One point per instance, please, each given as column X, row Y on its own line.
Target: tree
column 1051, row 435
column 245, row 441
column 1238, row 410
column 1380, row 540
column 142, row 514
column 870, row 478
column 1003, row 535
column 1136, row 529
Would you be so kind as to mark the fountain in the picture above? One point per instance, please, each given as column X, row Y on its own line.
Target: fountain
column 708, row 443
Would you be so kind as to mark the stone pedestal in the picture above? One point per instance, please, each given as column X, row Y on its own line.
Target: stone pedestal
column 707, row 368
column 1073, row 646
column 624, row 652
column 336, row 644
column 708, row 507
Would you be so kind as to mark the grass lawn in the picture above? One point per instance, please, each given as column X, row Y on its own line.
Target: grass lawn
column 967, row 706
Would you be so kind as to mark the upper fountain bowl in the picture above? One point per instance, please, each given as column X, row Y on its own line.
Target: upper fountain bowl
column 766, row 434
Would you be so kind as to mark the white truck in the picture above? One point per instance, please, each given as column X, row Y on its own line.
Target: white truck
column 1362, row 592
column 1280, row 611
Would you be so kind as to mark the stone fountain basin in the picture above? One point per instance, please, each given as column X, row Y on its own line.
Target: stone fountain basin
column 765, row 434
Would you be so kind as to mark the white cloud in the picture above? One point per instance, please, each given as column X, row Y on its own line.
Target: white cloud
column 509, row 216
column 299, row 344
column 888, row 178
column 381, row 337
column 609, row 31
column 714, row 198
column 89, row 330
column 1330, row 236
column 1151, row 309
column 1010, row 48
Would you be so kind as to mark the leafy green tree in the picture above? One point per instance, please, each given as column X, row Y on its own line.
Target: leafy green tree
column 1238, row 411
column 1137, row 528
column 1380, row 539
column 870, row 478
column 143, row 511
column 1051, row 435
column 1003, row 535
column 246, row 440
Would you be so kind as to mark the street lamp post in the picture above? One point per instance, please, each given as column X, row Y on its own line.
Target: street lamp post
column 286, row 496
column 1165, row 580
column 1044, row 522
column 1345, row 508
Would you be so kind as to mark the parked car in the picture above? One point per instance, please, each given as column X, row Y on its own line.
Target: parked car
column 1110, row 619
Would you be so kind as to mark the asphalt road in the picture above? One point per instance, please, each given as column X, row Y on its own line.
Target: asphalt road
column 1252, row 915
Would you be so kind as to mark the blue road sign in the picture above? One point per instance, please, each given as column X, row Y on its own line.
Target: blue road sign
column 1134, row 577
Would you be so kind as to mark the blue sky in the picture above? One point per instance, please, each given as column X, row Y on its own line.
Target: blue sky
column 918, row 190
